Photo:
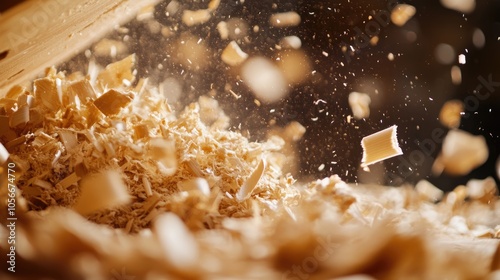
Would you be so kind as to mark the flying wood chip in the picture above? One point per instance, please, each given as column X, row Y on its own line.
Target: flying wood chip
column 111, row 102
column 102, row 191
column 380, row 146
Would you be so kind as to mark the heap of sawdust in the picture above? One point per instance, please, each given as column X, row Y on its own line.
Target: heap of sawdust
column 111, row 183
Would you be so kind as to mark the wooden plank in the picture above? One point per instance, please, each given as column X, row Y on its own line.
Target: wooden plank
column 39, row 33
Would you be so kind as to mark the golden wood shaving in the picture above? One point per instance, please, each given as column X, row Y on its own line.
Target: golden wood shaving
column 402, row 13
column 4, row 154
column 449, row 115
column 69, row 139
column 191, row 18
column 83, row 89
column 15, row 142
column 360, row 104
column 6, row 132
column 72, row 179
column 196, row 184
column 45, row 90
column 112, row 101
column 15, row 92
column 25, row 99
column 151, row 202
column 220, row 222
column 147, row 186
column 232, row 55
column 223, row 30
column 163, row 151
column 428, row 191
column 118, row 73
column 177, row 242
column 42, row 184
column 94, row 115
column 141, row 131
column 485, row 190
column 213, row 4
column 285, row 19
column 380, row 146
column 111, row 48
column 461, row 153
column 102, row 191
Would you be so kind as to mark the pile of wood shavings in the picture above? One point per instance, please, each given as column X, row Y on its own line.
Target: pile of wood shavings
column 201, row 202
column 88, row 125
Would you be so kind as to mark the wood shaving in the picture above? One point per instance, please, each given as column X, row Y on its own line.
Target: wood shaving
column 360, row 104
column 461, row 153
column 428, row 191
column 402, row 13
column 20, row 117
column 259, row 72
column 498, row 167
column 112, row 48
column 112, row 101
column 483, row 190
column 232, row 55
column 293, row 42
column 288, row 61
column 4, row 154
column 45, row 91
column 449, row 115
column 116, row 74
column 177, row 242
column 213, row 4
column 196, row 184
column 191, row 18
column 223, row 30
column 101, row 191
column 250, row 184
column 462, row 6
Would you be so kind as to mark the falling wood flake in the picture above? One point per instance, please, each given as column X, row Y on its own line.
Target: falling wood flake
column 250, row 184
column 101, row 191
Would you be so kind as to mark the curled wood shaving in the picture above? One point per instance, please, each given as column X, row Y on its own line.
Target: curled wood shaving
column 178, row 244
column 191, row 18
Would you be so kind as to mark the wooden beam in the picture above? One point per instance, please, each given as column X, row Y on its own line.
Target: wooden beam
column 40, row 33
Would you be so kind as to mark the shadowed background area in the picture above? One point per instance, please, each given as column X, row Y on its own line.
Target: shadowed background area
column 4, row 5
column 401, row 72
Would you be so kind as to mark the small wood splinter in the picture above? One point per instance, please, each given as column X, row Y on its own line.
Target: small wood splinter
column 380, row 146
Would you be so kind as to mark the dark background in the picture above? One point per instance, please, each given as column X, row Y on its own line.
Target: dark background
column 411, row 88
